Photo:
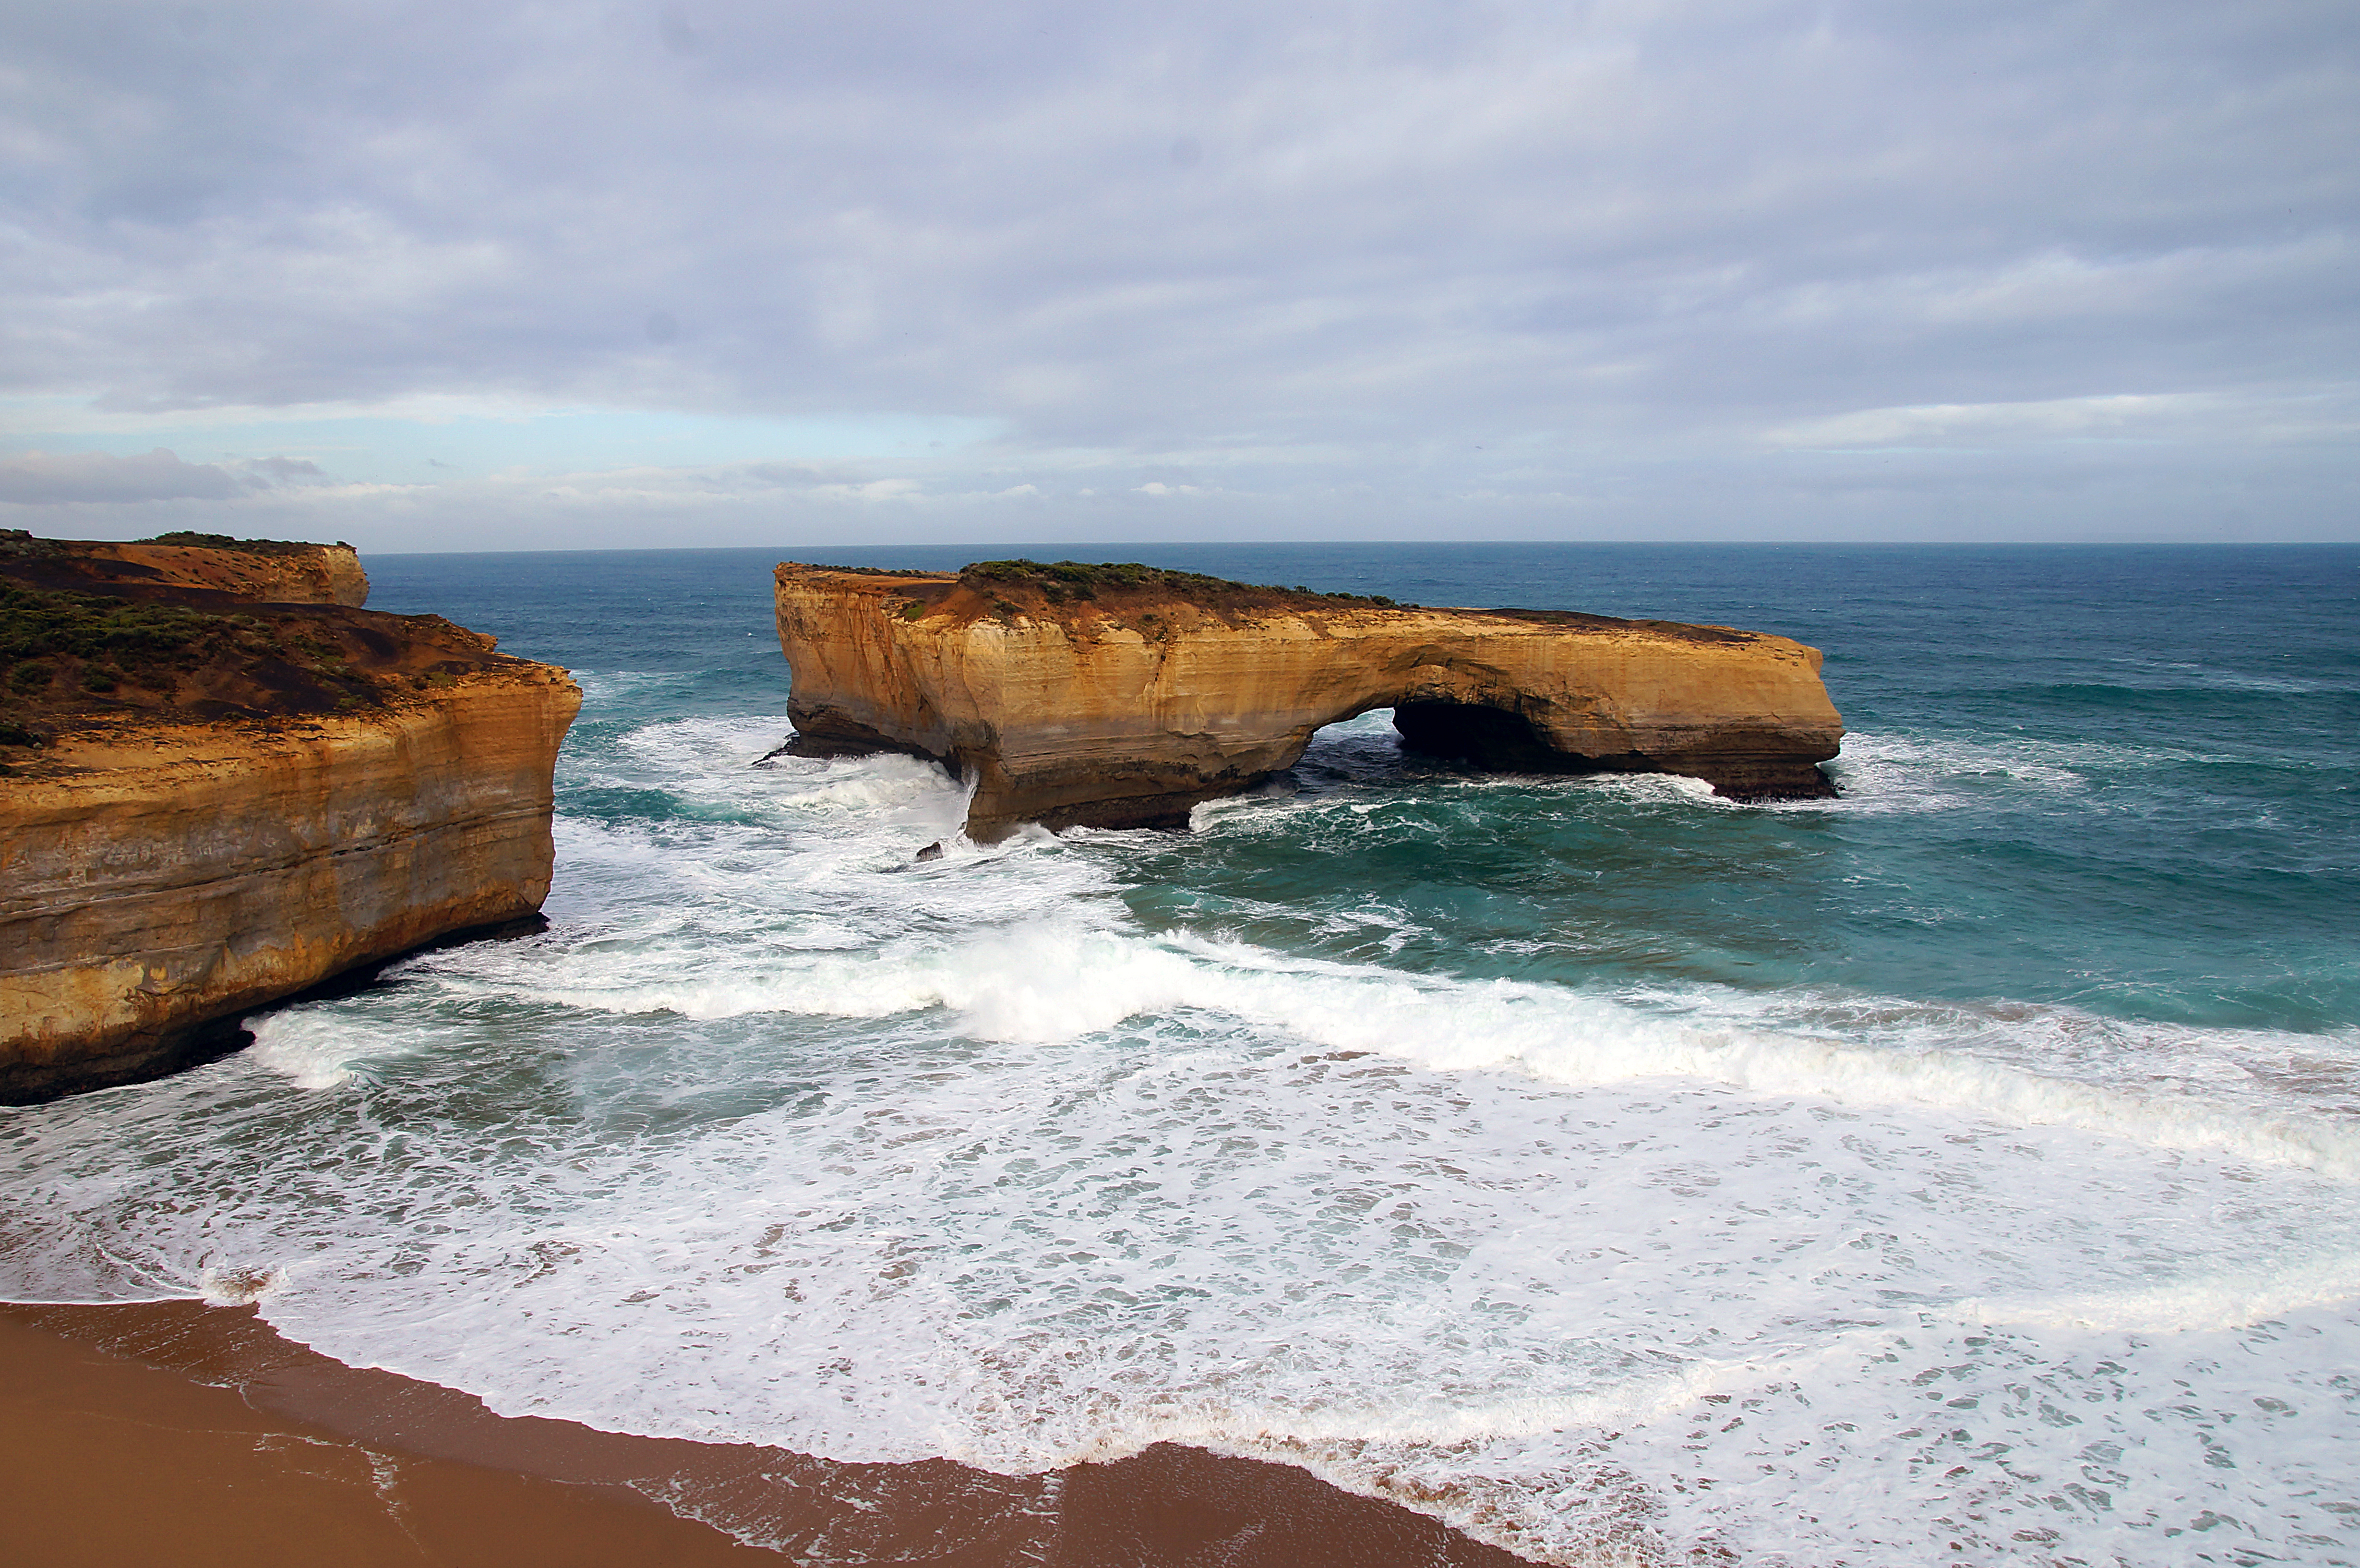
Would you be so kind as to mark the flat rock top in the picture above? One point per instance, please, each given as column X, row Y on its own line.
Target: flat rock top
column 90, row 650
column 277, row 570
column 1071, row 593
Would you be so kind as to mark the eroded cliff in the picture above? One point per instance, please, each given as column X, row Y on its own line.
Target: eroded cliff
column 213, row 803
column 1122, row 696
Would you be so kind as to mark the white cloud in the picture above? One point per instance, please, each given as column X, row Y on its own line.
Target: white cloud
column 2185, row 417
column 1524, row 256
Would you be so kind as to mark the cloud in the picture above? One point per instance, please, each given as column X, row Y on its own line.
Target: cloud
column 2329, row 414
column 285, row 470
column 1528, row 256
column 37, row 478
column 75, row 478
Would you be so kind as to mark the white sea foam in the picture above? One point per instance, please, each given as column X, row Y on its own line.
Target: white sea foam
column 781, row 1136
column 2176, row 675
column 314, row 1049
column 1066, row 973
column 1884, row 773
column 1876, row 773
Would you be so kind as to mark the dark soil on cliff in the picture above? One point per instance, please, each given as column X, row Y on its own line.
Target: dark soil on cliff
column 82, row 646
column 1068, row 582
column 23, row 543
column 1132, row 590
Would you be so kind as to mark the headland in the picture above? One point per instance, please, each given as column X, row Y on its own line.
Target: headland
column 225, row 782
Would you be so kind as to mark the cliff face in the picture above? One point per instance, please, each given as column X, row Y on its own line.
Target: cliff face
column 153, row 885
column 211, row 804
column 1123, row 697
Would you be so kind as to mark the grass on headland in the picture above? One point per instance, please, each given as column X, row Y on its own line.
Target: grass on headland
column 67, row 657
column 116, row 639
column 1061, row 579
column 223, row 541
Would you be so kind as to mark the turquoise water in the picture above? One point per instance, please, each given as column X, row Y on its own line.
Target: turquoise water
column 1598, row 1165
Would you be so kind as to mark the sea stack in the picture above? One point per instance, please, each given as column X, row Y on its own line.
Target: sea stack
column 226, row 782
column 1122, row 696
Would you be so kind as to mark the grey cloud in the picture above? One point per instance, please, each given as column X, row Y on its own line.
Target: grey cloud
column 51, row 478
column 284, row 470
column 1285, row 251
column 81, row 478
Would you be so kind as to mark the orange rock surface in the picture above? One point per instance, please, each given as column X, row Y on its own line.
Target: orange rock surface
column 1108, row 703
column 293, row 790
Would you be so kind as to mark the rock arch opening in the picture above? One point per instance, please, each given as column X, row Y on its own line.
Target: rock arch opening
column 1130, row 706
column 1496, row 740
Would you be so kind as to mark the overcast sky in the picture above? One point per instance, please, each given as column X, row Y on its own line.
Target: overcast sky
column 492, row 274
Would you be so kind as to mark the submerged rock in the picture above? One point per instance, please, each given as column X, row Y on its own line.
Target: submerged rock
column 216, row 800
column 1122, row 696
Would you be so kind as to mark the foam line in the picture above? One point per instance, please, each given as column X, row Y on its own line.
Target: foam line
column 1063, row 980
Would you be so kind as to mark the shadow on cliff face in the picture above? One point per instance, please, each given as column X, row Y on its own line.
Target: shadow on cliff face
column 32, row 1083
column 1417, row 743
column 1490, row 739
column 1370, row 751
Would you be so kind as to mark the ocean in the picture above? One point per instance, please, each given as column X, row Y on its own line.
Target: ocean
column 1961, row 1171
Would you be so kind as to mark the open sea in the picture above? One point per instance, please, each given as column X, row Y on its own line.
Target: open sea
column 1966, row 1170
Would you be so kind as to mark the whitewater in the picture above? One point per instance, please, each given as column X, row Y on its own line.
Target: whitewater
column 1961, row 1171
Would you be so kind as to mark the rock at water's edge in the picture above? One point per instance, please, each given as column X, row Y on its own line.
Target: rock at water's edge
column 196, row 828
column 1123, row 696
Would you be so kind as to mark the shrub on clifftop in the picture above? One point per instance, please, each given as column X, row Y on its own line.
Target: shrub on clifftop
column 1060, row 580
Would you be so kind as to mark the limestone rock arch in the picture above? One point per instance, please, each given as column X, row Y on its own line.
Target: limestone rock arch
column 1123, row 697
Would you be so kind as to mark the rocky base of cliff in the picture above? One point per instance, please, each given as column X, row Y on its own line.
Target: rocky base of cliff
column 1501, row 742
column 177, row 1050
column 821, row 732
column 33, row 1083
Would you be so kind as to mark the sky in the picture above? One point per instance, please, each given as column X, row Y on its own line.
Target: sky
column 491, row 274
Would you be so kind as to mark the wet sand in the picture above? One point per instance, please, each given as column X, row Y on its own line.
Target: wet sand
column 178, row 1432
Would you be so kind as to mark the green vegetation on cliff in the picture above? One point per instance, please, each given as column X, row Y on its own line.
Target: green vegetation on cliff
column 223, row 541
column 1061, row 579
column 109, row 640
column 90, row 640
column 66, row 657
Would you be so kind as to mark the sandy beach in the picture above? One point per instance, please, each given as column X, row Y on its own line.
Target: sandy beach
column 175, row 1431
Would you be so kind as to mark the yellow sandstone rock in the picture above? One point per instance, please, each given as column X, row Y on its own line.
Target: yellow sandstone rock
column 159, row 887
column 288, row 790
column 1121, row 697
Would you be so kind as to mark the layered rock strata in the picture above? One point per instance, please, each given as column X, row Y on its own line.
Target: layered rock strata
column 1123, row 696
column 212, row 804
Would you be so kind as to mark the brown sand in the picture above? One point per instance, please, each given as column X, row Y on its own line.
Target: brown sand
column 194, row 1436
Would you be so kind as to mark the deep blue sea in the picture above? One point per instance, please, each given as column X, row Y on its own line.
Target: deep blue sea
column 1962, row 1171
